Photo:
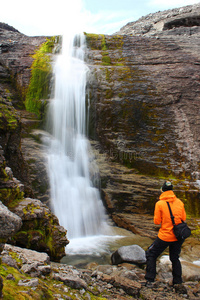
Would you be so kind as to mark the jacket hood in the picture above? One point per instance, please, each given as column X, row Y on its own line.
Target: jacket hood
column 167, row 196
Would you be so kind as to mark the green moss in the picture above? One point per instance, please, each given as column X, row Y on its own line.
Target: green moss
column 106, row 61
column 40, row 234
column 93, row 41
column 108, row 77
column 118, row 41
column 47, row 287
column 191, row 201
column 30, row 208
column 104, row 45
column 41, row 72
column 8, row 118
column 109, row 94
column 196, row 232
column 12, row 291
column 16, row 257
column 11, row 196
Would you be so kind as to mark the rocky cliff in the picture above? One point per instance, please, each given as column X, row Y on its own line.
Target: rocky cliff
column 40, row 229
column 144, row 89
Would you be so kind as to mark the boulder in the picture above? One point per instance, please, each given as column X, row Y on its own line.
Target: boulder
column 40, row 230
column 10, row 223
column 28, row 256
column 132, row 254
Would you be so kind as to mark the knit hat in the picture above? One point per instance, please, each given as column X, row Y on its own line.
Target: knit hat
column 167, row 186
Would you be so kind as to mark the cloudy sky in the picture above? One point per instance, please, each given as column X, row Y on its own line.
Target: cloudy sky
column 49, row 17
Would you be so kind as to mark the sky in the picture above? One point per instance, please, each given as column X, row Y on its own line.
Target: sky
column 53, row 17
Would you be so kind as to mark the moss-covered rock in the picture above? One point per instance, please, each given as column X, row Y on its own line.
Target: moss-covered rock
column 41, row 73
column 40, row 230
column 9, row 117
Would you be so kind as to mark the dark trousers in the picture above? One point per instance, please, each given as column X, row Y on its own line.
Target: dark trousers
column 155, row 250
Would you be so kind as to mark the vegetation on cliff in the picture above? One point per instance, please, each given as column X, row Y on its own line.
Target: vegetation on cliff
column 41, row 73
column 8, row 117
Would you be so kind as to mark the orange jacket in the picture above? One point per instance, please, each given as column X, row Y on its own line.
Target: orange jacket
column 162, row 215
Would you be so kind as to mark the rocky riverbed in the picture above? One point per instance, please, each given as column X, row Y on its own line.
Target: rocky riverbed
column 28, row 274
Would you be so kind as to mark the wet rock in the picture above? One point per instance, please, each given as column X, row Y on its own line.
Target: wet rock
column 128, row 196
column 34, row 152
column 132, row 254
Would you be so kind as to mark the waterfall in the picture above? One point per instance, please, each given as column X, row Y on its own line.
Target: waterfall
column 75, row 201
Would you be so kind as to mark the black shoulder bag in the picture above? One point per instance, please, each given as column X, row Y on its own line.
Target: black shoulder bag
column 181, row 231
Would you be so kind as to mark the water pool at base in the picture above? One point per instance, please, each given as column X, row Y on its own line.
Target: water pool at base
column 98, row 249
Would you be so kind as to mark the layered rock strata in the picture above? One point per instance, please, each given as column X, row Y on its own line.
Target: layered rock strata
column 144, row 97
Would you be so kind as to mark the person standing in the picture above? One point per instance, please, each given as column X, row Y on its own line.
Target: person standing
column 166, row 235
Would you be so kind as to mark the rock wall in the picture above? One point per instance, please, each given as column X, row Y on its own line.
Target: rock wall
column 16, row 52
column 40, row 229
column 144, row 95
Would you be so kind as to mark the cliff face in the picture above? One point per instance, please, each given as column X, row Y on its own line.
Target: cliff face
column 40, row 228
column 144, row 87
column 16, row 52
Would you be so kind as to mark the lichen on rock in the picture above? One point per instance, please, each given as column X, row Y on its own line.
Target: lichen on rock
column 40, row 229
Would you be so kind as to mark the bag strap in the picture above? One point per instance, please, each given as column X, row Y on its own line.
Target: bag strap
column 171, row 215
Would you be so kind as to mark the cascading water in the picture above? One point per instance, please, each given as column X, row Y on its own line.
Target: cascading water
column 75, row 201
